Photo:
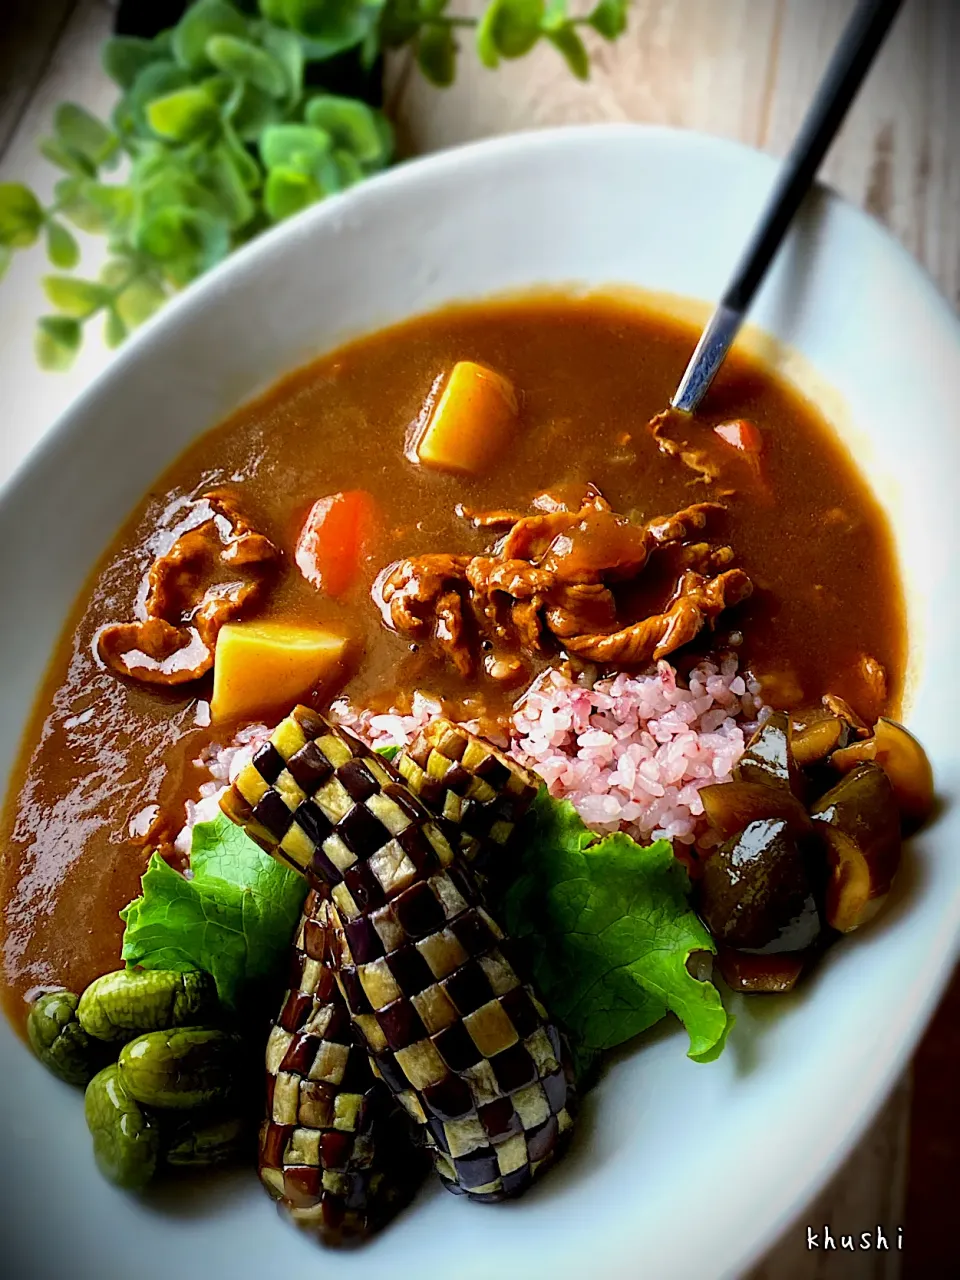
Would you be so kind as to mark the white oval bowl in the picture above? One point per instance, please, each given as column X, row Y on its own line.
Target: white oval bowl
column 678, row 1170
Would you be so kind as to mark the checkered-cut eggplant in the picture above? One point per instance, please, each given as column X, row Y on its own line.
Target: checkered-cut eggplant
column 335, row 1148
column 473, row 785
column 463, row 1044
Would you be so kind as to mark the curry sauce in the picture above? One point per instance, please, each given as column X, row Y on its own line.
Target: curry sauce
column 107, row 761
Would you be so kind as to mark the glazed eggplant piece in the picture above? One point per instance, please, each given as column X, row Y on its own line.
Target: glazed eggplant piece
column 859, row 824
column 816, row 740
column 768, row 758
column 335, row 1148
column 755, row 894
column 766, row 784
column 753, row 974
column 466, row 1048
column 731, row 806
column 902, row 759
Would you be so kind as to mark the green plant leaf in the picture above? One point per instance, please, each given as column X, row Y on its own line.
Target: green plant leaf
column 607, row 930
column 509, row 29
column 163, row 43
column 63, row 157
column 244, row 61
column 349, row 168
column 187, row 241
column 566, row 40
column 234, row 919
column 77, row 130
column 274, row 11
column 221, row 88
column 555, row 15
column 220, row 175
column 294, row 146
column 252, row 112
column 115, row 273
column 169, row 179
column 609, row 18
column 198, row 24
column 287, row 50
column 288, row 191
column 62, row 249
column 437, row 54
column 249, row 171
column 114, row 329
column 95, row 206
column 6, row 256
column 139, row 301
column 155, row 81
column 57, row 343
column 401, row 21
column 124, row 57
column 21, row 215
column 185, row 115
column 331, row 26
column 352, row 126
column 76, row 298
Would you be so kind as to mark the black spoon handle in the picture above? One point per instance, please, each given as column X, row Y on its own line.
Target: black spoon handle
column 851, row 61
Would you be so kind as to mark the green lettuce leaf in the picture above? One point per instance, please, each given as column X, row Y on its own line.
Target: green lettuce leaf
column 234, row 918
column 607, row 929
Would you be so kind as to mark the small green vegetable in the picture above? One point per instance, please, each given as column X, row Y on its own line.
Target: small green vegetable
column 198, row 1143
column 126, row 1141
column 60, row 1042
column 124, row 1004
column 234, row 919
column 608, row 933
column 182, row 1069
column 195, row 109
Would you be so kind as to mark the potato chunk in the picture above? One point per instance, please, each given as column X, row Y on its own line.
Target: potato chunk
column 471, row 423
column 264, row 665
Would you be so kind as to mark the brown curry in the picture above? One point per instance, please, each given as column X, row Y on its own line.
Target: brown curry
column 108, row 758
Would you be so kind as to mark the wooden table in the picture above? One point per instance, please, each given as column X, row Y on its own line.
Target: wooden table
column 742, row 68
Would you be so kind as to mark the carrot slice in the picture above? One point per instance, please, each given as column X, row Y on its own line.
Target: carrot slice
column 332, row 540
column 741, row 434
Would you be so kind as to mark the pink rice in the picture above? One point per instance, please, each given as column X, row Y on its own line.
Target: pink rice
column 630, row 752
column 223, row 764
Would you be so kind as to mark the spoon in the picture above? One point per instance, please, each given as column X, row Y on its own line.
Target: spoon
column 851, row 61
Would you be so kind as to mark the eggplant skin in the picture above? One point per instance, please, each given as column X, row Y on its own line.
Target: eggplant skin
column 335, row 1149
column 755, row 894
column 858, row 822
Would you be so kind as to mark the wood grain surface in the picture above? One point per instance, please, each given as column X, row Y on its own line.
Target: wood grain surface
column 744, row 69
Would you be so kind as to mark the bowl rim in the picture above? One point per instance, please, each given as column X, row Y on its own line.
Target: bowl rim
column 379, row 187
